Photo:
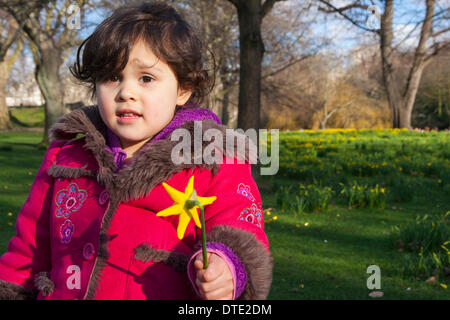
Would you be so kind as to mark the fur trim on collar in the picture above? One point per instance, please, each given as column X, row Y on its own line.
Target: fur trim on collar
column 151, row 165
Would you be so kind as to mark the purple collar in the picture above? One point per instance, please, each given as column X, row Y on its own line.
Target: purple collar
column 184, row 114
column 113, row 146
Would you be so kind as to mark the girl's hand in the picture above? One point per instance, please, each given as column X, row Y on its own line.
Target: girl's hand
column 216, row 282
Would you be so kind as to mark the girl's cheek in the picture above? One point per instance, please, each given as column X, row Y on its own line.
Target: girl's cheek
column 103, row 92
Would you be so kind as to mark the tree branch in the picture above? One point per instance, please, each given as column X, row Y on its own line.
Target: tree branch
column 436, row 51
column 341, row 11
column 289, row 64
column 434, row 35
column 267, row 6
column 9, row 41
column 235, row 2
column 13, row 57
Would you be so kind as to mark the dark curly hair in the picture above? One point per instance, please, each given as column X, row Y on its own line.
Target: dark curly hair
column 165, row 31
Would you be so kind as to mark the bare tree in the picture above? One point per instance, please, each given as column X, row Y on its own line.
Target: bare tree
column 51, row 36
column 401, row 96
column 251, row 49
column 216, row 22
column 8, row 56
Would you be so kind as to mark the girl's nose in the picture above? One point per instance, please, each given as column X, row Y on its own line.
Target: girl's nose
column 126, row 92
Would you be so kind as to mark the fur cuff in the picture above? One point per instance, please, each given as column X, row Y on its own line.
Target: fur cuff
column 256, row 259
column 12, row 291
column 44, row 284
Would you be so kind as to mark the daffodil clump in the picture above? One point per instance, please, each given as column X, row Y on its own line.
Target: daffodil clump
column 319, row 154
column 363, row 195
column 304, row 198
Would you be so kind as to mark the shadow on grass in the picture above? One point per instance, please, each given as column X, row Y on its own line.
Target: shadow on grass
column 17, row 122
column 336, row 269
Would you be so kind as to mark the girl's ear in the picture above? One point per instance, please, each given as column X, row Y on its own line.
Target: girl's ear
column 183, row 96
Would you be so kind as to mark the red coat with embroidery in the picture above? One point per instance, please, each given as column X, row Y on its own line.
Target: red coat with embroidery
column 78, row 231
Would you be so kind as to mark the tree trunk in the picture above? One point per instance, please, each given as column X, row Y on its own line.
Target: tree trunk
column 401, row 102
column 5, row 123
column 393, row 94
column 51, row 86
column 251, row 54
column 251, row 50
column 419, row 63
column 225, row 111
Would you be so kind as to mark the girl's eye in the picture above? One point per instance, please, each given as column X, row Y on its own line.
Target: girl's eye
column 114, row 79
column 147, row 79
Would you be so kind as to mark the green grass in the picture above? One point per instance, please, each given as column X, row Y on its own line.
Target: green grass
column 20, row 159
column 328, row 258
column 29, row 117
column 305, row 265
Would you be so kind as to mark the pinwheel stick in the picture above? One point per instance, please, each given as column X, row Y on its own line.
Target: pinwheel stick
column 191, row 204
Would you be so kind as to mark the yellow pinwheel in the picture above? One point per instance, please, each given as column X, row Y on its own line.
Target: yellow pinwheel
column 185, row 205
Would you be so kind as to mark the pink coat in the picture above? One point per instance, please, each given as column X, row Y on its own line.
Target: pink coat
column 89, row 232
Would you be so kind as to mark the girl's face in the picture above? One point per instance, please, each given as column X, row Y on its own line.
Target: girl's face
column 141, row 101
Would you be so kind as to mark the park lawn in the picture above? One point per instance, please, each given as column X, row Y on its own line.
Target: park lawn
column 325, row 255
column 327, row 259
column 20, row 159
column 27, row 117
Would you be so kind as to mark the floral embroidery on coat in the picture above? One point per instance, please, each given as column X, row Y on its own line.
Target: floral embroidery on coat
column 66, row 231
column 253, row 215
column 245, row 191
column 69, row 200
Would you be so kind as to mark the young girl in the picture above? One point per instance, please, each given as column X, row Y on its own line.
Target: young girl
column 89, row 228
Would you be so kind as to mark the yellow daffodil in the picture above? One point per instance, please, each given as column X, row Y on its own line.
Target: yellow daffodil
column 183, row 207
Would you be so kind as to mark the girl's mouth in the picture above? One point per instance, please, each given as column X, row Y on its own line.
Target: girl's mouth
column 127, row 116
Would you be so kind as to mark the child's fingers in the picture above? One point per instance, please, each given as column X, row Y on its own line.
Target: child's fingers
column 198, row 262
column 214, row 283
column 215, row 269
column 216, row 290
column 223, row 293
column 207, row 286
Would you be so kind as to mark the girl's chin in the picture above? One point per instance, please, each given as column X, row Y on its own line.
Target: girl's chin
column 128, row 142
